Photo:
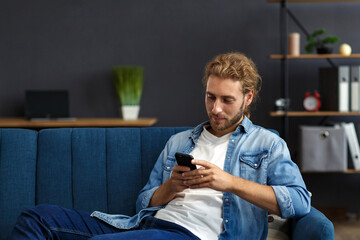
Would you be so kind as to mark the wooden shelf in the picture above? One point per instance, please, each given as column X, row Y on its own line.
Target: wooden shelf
column 313, row 114
column 349, row 171
column 77, row 122
column 314, row 56
column 295, row 1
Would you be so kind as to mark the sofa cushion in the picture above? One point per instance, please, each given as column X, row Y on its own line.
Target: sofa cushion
column 18, row 150
column 90, row 168
column 278, row 228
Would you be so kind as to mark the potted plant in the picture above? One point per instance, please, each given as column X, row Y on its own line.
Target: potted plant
column 128, row 81
column 321, row 44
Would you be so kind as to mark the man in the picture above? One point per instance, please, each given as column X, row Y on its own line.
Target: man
column 244, row 171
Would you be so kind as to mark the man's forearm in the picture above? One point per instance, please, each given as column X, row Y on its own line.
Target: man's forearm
column 262, row 196
column 163, row 195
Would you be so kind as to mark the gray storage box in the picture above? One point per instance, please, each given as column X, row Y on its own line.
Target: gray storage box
column 323, row 149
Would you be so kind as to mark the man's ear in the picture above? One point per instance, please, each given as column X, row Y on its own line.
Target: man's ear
column 249, row 97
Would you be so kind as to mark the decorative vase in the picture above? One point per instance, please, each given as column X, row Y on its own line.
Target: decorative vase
column 324, row 50
column 130, row 112
column 294, row 44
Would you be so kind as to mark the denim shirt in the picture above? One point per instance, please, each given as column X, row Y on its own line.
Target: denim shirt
column 255, row 154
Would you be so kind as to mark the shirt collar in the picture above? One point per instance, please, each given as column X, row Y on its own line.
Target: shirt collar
column 245, row 125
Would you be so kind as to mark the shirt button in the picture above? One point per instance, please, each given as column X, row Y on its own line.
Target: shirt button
column 226, row 221
column 255, row 165
column 226, row 199
column 233, row 140
column 167, row 168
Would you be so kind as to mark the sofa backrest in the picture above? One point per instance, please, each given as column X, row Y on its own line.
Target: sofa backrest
column 82, row 168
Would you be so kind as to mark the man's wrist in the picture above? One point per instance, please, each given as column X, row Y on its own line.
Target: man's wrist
column 162, row 195
column 236, row 185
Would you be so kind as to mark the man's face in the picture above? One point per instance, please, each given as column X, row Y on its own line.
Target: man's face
column 225, row 104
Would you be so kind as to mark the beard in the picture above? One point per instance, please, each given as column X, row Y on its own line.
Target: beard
column 227, row 122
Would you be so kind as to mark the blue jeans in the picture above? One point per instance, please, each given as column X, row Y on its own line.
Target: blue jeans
column 54, row 222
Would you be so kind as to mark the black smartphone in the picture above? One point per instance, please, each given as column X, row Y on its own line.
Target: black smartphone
column 185, row 160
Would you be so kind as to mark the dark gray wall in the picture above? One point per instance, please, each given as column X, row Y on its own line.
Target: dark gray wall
column 73, row 45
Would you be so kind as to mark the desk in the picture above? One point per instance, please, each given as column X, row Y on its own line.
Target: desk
column 77, row 122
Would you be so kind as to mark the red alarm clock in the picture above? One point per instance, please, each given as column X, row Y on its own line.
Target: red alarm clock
column 312, row 102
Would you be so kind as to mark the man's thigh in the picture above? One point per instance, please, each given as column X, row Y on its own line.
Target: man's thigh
column 50, row 221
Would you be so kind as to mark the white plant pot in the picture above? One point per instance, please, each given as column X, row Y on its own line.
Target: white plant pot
column 130, row 112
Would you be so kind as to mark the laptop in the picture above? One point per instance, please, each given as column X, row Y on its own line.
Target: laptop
column 46, row 105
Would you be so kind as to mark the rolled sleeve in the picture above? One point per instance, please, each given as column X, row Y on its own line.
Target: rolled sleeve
column 284, row 200
column 301, row 201
column 286, row 180
column 145, row 198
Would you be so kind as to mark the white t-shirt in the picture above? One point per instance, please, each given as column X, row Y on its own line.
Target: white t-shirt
column 200, row 210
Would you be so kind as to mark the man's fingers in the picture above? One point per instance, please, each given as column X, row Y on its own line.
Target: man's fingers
column 202, row 163
column 178, row 168
column 200, row 172
column 199, row 180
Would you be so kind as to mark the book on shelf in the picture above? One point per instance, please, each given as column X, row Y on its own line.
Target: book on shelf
column 354, row 88
column 353, row 143
column 334, row 88
column 339, row 88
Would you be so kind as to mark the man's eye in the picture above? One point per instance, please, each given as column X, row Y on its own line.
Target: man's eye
column 230, row 100
column 210, row 97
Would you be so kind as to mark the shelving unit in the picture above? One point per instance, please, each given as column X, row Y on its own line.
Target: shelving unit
column 284, row 57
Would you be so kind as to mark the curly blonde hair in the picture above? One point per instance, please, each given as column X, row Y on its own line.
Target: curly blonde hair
column 238, row 67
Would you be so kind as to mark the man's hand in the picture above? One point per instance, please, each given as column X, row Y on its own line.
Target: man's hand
column 210, row 176
column 176, row 180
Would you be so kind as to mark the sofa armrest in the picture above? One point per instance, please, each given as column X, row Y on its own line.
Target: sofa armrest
column 314, row 225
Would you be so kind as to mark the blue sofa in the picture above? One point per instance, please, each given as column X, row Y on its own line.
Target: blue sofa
column 92, row 169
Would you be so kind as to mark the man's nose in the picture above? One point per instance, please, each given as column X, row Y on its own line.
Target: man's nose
column 217, row 108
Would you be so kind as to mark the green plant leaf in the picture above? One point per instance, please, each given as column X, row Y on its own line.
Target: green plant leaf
column 311, row 43
column 314, row 41
column 318, row 32
column 128, row 81
column 310, row 39
column 331, row 39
